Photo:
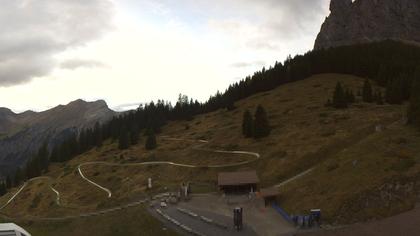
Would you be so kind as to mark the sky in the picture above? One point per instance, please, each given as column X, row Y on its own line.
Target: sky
column 128, row 52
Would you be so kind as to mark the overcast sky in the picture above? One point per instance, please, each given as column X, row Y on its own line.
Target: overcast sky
column 131, row 51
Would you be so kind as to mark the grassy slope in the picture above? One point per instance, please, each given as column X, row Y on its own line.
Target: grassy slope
column 304, row 134
column 134, row 221
column 371, row 179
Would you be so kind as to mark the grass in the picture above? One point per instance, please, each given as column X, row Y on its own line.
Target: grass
column 352, row 186
column 133, row 221
column 304, row 134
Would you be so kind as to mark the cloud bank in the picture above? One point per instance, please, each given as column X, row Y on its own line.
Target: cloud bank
column 34, row 32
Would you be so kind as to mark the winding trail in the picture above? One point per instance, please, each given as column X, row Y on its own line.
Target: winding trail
column 135, row 203
column 202, row 142
column 57, row 200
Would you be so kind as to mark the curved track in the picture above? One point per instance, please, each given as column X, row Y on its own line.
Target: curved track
column 109, row 193
column 57, row 200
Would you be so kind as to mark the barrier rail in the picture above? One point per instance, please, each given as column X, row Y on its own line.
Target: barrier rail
column 282, row 212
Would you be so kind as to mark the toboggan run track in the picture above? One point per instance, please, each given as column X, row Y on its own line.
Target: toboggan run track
column 109, row 193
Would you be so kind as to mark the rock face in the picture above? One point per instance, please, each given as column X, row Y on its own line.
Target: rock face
column 363, row 21
column 22, row 134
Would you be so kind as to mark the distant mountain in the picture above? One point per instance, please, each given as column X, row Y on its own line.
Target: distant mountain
column 22, row 134
column 364, row 21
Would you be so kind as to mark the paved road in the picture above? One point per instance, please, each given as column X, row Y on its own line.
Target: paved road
column 264, row 220
column 200, row 226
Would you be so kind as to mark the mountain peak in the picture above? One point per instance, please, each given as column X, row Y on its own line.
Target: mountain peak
column 6, row 111
column 81, row 102
column 364, row 21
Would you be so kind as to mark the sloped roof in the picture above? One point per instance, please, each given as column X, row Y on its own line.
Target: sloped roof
column 237, row 178
column 269, row 192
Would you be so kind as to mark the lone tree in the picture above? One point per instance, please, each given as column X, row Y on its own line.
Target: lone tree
column 261, row 125
column 247, row 124
column 414, row 108
column 367, row 93
column 339, row 98
column 151, row 140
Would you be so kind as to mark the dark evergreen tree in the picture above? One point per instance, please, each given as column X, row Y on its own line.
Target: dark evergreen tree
column 151, row 142
column 247, row 124
column 18, row 177
column 414, row 108
column 350, row 98
column 367, row 92
column 43, row 157
column 394, row 91
column 3, row 189
column 261, row 124
column 124, row 139
column 339, row 98
column 98, row 134
column 8, row 182
column 379, row 98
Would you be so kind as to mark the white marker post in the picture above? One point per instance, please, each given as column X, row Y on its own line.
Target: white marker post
column 149, row 183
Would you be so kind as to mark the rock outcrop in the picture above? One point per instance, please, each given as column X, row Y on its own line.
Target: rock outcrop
column 364, row 21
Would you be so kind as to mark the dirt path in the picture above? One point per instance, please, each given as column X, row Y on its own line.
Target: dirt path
column 109, row 193
column 57, row 200
column 198, row 147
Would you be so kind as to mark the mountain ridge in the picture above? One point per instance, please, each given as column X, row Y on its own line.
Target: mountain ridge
column 21, row 134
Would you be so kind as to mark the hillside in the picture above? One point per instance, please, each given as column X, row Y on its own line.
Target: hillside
column 335, row 144
column 22, row 134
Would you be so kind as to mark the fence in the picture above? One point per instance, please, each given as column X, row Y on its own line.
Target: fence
column 282, row 212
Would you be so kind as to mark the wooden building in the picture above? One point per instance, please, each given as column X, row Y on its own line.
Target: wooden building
column 269, row 195
column 238, row 182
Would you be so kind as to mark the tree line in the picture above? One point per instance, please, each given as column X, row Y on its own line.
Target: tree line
column 390, row 64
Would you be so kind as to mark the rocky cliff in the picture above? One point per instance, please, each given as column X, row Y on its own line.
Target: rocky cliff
column 22, row 134
column 363, row 21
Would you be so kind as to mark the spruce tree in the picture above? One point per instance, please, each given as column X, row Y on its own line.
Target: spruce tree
column 350, row 98
column 18, row 177
column 98, row 135
column 394, row 92
column 247, row 124
column 367, row 93
column 379, row 98
column 261, row 124
column 123, row 140
column 414, row 108
column 8, row 182
column 43, row 157
column 339, row 97
column 151, row 141
column 3, row 190
column 134, row 134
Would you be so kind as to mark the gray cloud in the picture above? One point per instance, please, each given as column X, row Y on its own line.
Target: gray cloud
column 33, row 32
column 248, row 64
column 265, row 24
column 126, row 106
column 78, row 63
